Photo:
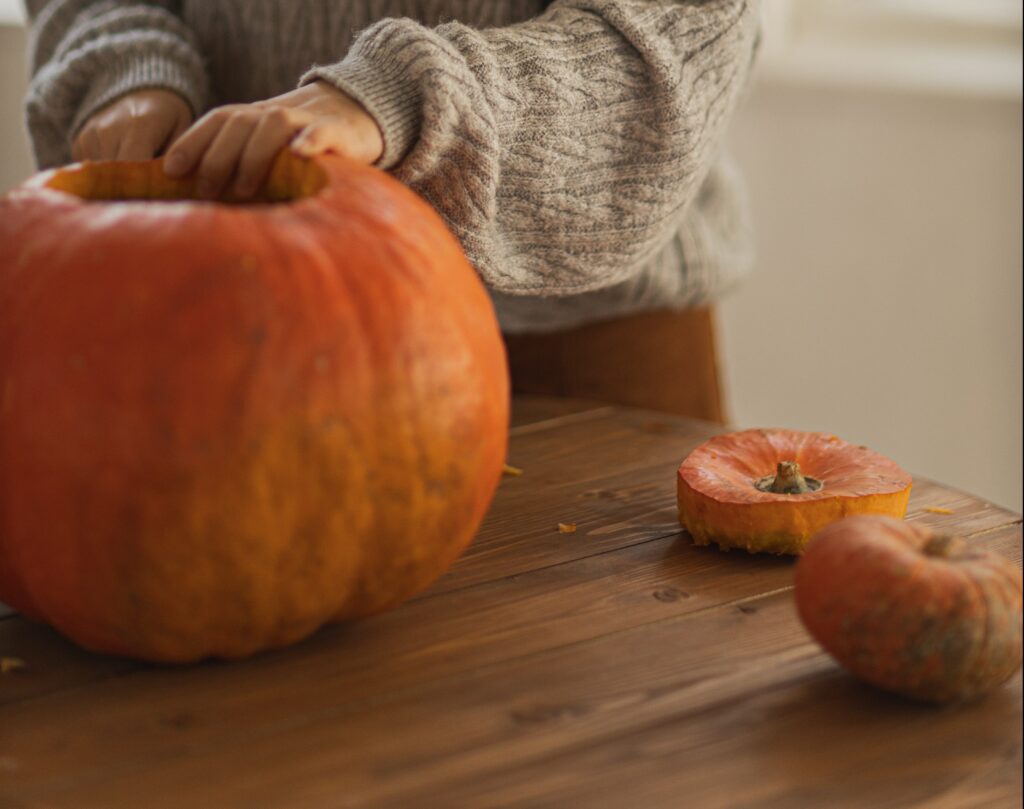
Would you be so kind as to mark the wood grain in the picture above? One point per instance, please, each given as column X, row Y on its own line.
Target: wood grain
column 811, row 738
column 595, row 707
column 539, row 409
column 619, row 665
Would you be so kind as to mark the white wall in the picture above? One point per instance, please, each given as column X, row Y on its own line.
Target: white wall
column 15, row 158
column 886, row 305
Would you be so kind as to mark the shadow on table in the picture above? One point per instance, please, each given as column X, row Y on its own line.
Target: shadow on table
column 836, row 741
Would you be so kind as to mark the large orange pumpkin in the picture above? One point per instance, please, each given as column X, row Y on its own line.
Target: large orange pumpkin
column 222, row 426
column 769, row 491
column 910, row 610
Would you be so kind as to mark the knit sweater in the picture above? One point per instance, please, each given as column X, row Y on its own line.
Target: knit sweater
column 573, row 146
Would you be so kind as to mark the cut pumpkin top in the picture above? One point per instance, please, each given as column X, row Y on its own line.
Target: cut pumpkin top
column 727, row 467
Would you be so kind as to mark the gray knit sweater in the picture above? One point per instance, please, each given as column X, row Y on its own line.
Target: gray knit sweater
column 573, row 149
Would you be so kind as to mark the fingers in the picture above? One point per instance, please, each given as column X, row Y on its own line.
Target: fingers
column 86, row 147
column 141, row 142
column 180, row 129
column 237, row 144
column 220, row 158
column 132, row 127
column 100, row 139
column 188, row 150
column 275, row 129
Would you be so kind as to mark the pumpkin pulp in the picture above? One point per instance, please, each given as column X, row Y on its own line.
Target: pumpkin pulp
column 114, row 181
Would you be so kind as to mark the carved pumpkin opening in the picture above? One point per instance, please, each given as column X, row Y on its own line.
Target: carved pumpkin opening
column 118, row 181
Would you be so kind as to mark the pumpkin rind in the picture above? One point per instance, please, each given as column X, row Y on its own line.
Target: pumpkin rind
column 937, row 627
column 719, row 503
column 224, row 426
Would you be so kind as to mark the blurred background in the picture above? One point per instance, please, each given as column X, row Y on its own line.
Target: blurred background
column 881, row 141
column 882, row 148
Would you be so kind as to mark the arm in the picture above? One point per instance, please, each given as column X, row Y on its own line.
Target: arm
column 563, row 151
column 86, row 54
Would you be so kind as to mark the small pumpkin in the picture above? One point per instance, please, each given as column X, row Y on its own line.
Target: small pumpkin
column 924, row 614
column 224, row 425
column 770, row 491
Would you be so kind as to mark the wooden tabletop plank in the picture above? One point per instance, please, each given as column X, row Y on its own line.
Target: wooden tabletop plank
column 154, row 715
column 536, row 409
column 694, row 682
column 454, row 632
column 529, row 707
column 615, row 514
column 613, row 475
column 50, row 663
column 624, row 495
column 531, row 610
column 814, row 740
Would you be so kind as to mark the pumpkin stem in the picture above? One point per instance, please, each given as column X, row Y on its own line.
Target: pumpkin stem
column 944, row 546
column 788, row 479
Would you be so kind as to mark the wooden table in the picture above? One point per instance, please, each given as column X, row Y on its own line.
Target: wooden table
column 619, row 666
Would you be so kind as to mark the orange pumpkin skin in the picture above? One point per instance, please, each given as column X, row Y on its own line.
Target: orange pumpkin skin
column 718, row 501
column 223, row 426
column 927, row 616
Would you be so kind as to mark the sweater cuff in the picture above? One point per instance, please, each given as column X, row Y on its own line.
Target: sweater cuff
column 381, row 83
column 131, row 73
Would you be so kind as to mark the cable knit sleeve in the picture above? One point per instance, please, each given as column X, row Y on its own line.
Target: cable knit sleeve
column 86, row 54
column 563, row 151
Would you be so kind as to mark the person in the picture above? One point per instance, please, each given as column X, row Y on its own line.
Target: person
column 574, row 147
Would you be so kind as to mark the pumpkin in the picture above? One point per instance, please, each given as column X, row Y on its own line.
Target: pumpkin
column 924, row 614
column 770, row 491
column 225, row 425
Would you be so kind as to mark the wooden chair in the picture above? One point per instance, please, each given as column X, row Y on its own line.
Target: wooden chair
column 660, row 360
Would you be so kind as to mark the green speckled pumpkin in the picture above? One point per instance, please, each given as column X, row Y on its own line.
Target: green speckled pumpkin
column 926, row 615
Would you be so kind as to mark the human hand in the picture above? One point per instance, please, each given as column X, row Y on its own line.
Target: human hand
column 136, row 126
column 238, row 143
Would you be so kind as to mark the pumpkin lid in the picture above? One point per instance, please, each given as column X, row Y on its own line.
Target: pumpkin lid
column 743, row 467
